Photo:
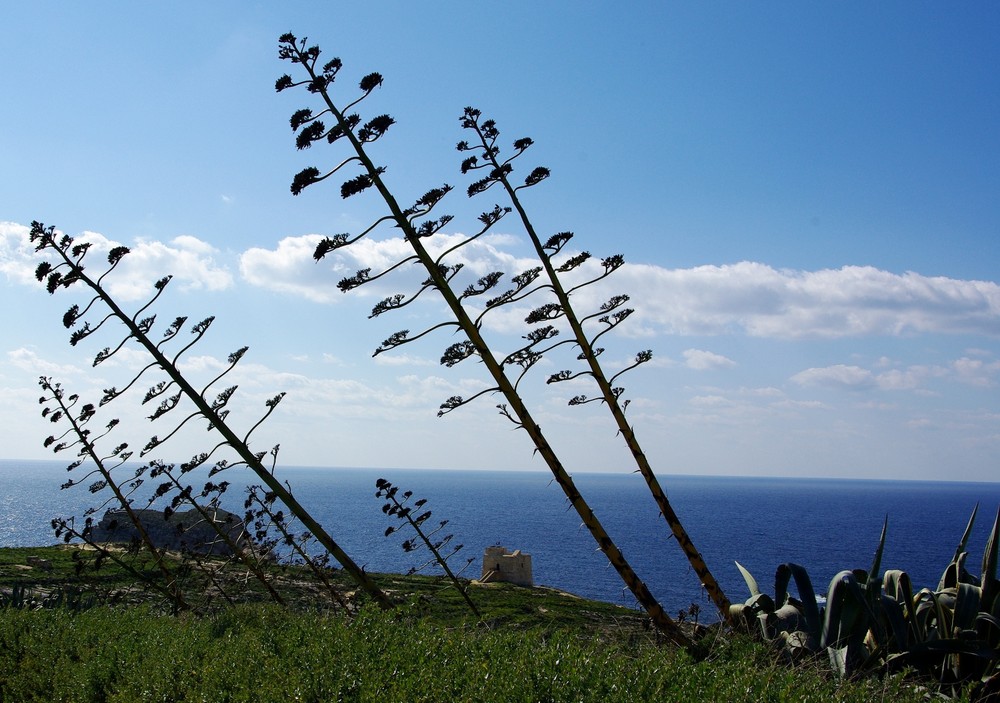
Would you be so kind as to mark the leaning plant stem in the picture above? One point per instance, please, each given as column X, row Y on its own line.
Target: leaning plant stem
column 240, row 447
column 91, row 451
column 694, row 557
column 139, row 576
column 305, row 557
column 660, row 619
column 240, row 553
column 438, row 558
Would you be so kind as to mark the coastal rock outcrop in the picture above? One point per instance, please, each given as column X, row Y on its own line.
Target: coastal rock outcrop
column 183, row 531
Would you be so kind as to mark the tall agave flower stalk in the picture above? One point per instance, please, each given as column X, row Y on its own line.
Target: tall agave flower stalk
column 66, row 268
column 610, row 315
column 417, row 227
column 398, row 505
column 271, row 528
column 60, row 407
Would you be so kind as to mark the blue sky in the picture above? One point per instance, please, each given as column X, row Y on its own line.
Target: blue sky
column 806, row 194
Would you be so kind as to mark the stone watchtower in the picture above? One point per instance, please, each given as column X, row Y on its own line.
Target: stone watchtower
column 499, row 564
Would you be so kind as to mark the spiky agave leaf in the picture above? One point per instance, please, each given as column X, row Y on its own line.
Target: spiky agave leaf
column 877, row 560
column 965, row 535
column 988, row 580
column 845, row 623
column 956, row 573
column 898, row 606
column 758, row 606
column 807, row 595
column 966, row 608
column 748, row 577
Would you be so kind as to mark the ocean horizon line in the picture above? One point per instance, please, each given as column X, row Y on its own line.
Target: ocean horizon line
column 541, row 471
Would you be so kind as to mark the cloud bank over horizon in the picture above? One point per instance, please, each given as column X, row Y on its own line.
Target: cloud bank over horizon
column 878, row 386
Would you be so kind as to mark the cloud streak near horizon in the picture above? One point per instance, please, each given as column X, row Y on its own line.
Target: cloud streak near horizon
column 747, row 297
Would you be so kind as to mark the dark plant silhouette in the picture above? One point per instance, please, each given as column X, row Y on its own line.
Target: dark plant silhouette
column 172, row 390
column 230, row 537
column 416, row 225
column 413, row 514
column 272, row 533
column 582, row 327
column 59, row 407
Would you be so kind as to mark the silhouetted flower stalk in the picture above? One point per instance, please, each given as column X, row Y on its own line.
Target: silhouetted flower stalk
column 60, row 407
column 610, row 315
column 242, row 550
column 65, row 529
column 122, row 495
column 261, row 513
column 68, row 269
column 317, row 81
column 401, row 509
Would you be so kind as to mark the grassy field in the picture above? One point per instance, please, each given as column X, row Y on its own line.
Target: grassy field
column 534, row 645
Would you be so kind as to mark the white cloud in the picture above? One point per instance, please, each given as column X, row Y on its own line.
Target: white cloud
column 203, row 363
column 800, row 404
column 746, row 297
column 290, row 267
column 711, row 401
column 765, row 392
column 759, row 300
column 188, row 259
column 976, row 372
column 29, row 361
column 858, row 378
column 18, row 259
column 701, row 360
column 838, row 376
column 897, row 379
column 403, row 360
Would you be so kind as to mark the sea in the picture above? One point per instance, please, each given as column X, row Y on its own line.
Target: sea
column 824, row 525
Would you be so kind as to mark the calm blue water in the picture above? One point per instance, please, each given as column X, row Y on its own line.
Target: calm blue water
column 824, row 525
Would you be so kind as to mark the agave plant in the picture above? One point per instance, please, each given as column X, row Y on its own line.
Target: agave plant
column 953, row 632
column 876, row 622
column 65, row 265
column 549, row 285
column 414, row 516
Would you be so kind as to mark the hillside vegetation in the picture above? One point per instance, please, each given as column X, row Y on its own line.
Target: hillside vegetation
column 534, row 645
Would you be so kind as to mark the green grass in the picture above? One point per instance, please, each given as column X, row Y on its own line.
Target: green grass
column 536, row 645
column 262, row 653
